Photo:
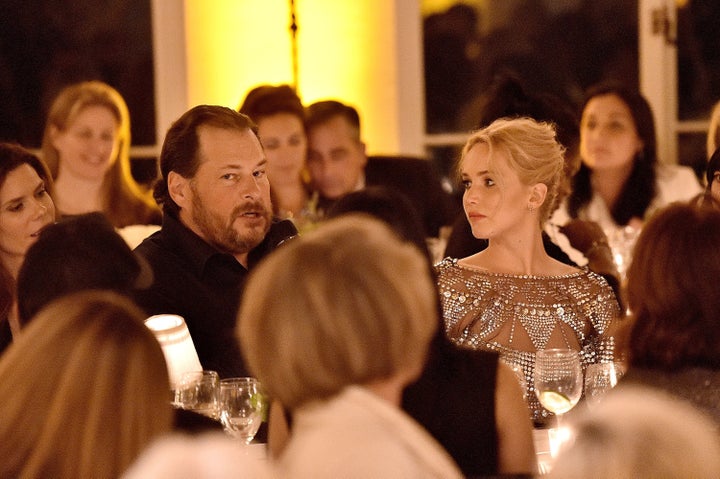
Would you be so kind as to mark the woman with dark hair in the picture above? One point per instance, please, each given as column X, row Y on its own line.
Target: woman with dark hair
column 280, row 118
column 621, row 182
column 25, row 208
column 674, row 299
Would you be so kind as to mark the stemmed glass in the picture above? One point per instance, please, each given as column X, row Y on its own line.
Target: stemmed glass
column 599, row 379
column 622, row 241
column 198, row 391
column 558, row 382
column 242, row 407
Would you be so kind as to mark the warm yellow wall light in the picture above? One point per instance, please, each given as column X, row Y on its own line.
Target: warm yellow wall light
column 232, row 45
column 348, row 50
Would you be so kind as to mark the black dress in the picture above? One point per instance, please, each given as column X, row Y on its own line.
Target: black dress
column 454, row 399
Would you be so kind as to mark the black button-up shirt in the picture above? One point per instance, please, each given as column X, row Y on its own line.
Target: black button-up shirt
column 203, row 285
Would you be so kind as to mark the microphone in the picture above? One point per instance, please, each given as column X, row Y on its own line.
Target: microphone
column 283, row 232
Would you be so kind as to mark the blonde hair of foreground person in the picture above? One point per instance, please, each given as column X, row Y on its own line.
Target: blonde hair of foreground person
column 640, row 433
column 125, row 201
column 83, row 390
column 336, row 310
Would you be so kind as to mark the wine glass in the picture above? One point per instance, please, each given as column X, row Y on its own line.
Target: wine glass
column 599, row 379
column 242, row 407
column 622, row 241
column 558, row 383
column 198, row 391
column 519, row 374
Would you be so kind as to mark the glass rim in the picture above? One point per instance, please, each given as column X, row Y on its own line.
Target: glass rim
column 239, row 380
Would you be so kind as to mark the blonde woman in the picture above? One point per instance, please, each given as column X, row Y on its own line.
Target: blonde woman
column 513, row 297
column 86, row 145
column 83, row 390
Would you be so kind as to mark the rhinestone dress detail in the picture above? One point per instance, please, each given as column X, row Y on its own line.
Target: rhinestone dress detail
column 517, row 315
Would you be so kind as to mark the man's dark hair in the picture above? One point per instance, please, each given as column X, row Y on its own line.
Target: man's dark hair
column 180, row 148
column 323, row 111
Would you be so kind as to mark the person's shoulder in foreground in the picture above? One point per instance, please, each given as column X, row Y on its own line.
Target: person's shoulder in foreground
column 208, row 456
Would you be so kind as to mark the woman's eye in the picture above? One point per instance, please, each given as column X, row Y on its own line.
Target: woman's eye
column 466, row 184
column 271, row 144
column 489, row 182
column 259, row 173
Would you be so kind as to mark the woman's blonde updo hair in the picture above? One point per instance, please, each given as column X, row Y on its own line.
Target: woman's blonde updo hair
column 532, row 150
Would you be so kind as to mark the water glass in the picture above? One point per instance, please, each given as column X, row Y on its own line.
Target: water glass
column 519, row 375
column 198, row 391
column 242, row 407
column 558, row 379
column 599, row 379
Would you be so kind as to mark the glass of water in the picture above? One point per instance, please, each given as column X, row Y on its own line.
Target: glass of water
column 599, row 379
column 198, row 391
column 242, row 407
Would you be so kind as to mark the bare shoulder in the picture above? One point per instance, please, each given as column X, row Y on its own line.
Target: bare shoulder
column 480, row 261
column 558, row 268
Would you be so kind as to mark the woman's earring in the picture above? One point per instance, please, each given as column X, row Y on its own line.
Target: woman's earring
column 531, row 208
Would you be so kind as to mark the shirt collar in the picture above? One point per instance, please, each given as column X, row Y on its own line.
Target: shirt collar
column 198, row 252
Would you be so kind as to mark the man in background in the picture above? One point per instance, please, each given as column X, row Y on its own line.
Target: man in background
column 338, row 164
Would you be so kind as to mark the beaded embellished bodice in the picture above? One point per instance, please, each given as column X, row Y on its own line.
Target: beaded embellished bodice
column 517, row 315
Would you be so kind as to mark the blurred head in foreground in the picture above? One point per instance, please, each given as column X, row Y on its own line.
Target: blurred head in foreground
column 345, row 291
column 672, row 298
column 83, row 390
column 78, row 253
column 639, row 433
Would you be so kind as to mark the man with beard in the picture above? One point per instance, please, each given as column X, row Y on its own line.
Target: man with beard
column 217, row 224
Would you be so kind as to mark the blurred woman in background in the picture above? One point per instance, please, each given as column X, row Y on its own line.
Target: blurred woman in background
column 280, row 118
column 86, row 145
column 25, row 209
column 621, row 182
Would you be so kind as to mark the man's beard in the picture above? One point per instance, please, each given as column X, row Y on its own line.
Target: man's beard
column 221, row 234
